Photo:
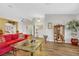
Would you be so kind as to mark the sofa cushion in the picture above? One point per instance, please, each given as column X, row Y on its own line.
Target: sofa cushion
column 8, row 37
column 14, row 36
column 14, row 41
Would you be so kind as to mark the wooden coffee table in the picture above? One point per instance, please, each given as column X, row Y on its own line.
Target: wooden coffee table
column 30, row 48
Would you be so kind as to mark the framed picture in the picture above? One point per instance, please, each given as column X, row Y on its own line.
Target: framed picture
column 49, row 25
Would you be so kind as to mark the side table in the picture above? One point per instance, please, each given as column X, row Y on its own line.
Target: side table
column 45, row 37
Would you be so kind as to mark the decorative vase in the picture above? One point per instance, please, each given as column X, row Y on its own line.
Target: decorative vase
column 74, row 41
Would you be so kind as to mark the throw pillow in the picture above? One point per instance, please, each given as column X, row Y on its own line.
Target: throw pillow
column 2, row 39
column 21, row 36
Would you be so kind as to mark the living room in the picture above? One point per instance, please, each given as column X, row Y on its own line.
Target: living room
column 39, row 29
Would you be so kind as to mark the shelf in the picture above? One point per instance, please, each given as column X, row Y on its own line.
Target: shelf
column 59, row 33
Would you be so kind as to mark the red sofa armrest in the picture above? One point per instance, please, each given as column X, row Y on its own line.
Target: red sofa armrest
column 2, row 45
column 26, row 36
column 5, row 50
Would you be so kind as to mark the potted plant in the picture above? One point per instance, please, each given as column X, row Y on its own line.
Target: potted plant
column 73, row 26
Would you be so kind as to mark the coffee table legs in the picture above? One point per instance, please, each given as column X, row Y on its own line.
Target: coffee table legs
column 14, row 51
column 31, row 53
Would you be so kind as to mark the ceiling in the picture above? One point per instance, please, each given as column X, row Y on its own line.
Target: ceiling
column 15, row 10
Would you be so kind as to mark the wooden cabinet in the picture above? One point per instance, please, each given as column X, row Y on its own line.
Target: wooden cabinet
column 59, row 33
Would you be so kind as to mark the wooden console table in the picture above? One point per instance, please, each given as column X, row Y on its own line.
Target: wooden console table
column 29, row 48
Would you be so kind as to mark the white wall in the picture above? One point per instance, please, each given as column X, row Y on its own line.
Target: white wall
column 58, row 19
column 39, row 25
column 22, row 25
column 25, row 25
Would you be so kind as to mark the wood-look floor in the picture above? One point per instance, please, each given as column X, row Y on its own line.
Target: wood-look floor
column 53, row 49
column 58, row 49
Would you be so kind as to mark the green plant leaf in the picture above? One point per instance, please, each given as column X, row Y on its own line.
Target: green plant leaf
column 73, row 25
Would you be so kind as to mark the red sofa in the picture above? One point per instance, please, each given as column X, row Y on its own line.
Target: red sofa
column 9, row 40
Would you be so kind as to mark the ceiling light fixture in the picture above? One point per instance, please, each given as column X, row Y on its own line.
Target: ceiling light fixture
column 10, row 6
